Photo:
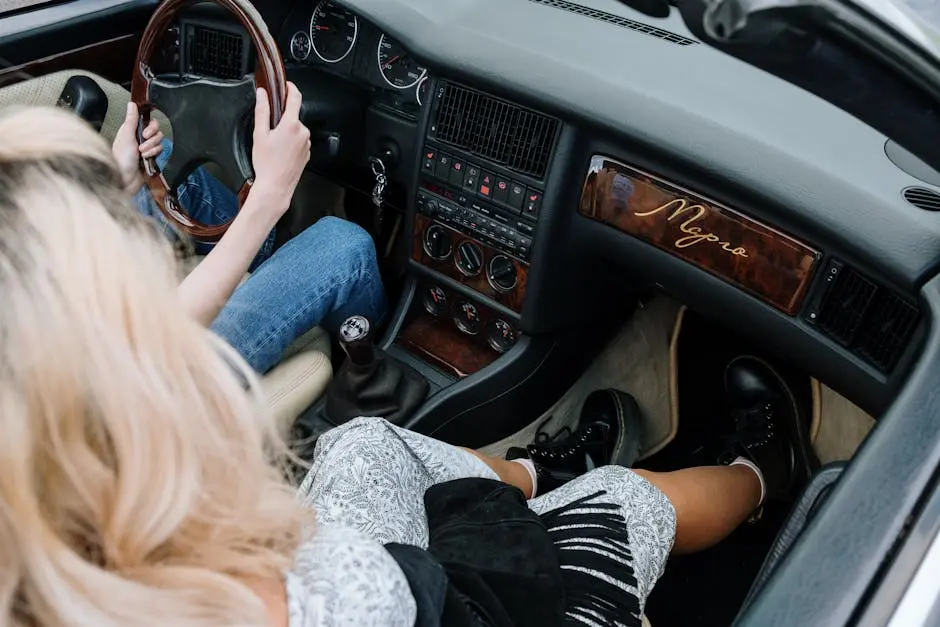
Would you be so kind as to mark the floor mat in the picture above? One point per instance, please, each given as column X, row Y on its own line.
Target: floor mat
column 843, row 427
column 637, row 361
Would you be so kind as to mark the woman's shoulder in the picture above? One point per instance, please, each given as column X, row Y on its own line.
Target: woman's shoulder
column 342, row 577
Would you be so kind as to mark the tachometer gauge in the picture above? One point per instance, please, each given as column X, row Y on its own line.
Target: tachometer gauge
column 333, row 31
column 397, row 66
column 467, row 317
column 300, row 46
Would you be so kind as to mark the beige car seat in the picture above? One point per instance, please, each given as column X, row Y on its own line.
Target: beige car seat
column 305, row 370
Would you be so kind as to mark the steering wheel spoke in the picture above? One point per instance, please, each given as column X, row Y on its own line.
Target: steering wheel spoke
column 211, row 117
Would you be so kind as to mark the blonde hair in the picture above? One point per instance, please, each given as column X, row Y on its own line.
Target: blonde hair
column 139, row 483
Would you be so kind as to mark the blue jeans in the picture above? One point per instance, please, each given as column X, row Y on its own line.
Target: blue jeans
column 320, row 277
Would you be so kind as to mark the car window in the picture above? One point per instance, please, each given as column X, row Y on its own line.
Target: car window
column 927, row 10
column 8, row 6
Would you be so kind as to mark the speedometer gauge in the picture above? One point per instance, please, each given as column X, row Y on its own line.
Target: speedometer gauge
column 397, row 66
column 333, row 31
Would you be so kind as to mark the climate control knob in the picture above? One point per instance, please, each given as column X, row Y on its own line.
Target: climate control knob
column 469, row 259
column 437, row 242
column 502, row 273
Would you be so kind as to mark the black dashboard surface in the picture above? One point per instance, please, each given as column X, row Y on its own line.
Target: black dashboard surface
column 809, row 167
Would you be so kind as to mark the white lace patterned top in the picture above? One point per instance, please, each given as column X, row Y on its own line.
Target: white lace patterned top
column 342, row 577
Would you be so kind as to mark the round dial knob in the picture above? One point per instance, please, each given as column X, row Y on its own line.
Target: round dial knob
column 502, row 273
column 469, row 259
column 437, row 242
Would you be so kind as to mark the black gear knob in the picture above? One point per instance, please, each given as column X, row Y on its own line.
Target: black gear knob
column 356, row 340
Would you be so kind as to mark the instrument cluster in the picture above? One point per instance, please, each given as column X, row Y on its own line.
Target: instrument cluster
column 338, row 40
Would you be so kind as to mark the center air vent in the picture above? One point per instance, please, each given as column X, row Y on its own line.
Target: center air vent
column 623, row 22
column 923, row 198
column 215, row 53
column 496, row 130
column 871, row 320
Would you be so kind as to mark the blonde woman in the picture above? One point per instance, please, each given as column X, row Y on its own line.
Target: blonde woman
column 141, row 485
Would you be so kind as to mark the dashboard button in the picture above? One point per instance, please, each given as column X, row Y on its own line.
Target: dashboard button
column 516, row 195
column 456, row 173
column 485, row 188
column 533, row 202
column 501, row 193
column 471, row 177
column 442, row 167
column 427, row 164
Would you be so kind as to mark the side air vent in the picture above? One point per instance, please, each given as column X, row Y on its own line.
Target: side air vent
column 923, row 198
column 496, row 130
column 215, row 53
column 623, row 22
column 869, row 319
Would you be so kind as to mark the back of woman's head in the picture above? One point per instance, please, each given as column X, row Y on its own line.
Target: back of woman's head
column 136, row 476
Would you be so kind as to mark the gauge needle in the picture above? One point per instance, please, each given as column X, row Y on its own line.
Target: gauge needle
column 323, row 28
column 393, row 59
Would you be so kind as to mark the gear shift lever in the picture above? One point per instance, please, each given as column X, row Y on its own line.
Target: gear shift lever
column 371, row 383
column 355, row 339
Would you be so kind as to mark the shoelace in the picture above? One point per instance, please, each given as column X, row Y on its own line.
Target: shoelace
column 558, row 446
column 754, row 428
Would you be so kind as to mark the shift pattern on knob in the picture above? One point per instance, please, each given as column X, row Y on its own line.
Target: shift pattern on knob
column 469, row 258
column 502, row 273
column 354, row 328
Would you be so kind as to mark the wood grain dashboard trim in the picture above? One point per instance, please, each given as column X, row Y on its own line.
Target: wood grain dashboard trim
column 745, row 252
column 437, row 341
column 512, row 299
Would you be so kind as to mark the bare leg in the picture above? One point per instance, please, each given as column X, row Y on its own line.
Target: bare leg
column 509, row 472
column 710, row 502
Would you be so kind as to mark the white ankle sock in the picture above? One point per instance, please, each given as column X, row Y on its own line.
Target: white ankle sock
column 743, row 461
column 530, row 468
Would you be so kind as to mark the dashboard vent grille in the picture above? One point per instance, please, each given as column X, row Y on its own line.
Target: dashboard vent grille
column 623, row 22
column 867, row 318
column 888, row 327
column 496, row 130
column 923, row 198
column 215, row 53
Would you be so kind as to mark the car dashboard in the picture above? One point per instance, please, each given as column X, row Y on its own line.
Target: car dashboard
column 529, row 183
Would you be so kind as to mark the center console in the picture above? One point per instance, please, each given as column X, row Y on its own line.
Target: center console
column 477, row 209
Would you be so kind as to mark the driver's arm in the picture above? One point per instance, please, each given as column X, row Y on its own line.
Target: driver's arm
column 278, row 156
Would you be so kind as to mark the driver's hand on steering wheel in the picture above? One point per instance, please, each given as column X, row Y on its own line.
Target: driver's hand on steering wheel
column 279, row 155
column 128, row 153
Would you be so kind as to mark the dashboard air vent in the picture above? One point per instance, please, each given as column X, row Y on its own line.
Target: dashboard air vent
column 215, row 53
column 888, row 327
column 923, row 198
column 623, row 22
column 496, row 130
column 867, row 318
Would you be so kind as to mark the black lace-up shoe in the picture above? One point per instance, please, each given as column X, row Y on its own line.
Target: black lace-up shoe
column 770, row 430
column 608, row 432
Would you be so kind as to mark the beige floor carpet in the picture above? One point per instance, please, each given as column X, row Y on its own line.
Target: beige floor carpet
column 637, row 361
column 641, row 360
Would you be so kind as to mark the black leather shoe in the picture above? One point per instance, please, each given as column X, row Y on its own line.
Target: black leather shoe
column 608, row 432
column 770, row 429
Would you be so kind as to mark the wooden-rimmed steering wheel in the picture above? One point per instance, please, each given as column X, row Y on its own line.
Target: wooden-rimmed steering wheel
column 210, row 116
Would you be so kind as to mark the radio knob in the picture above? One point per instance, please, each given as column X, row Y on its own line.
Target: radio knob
column 431, row 207
column 502, row 273
column 469, row 259
column 437, row 242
